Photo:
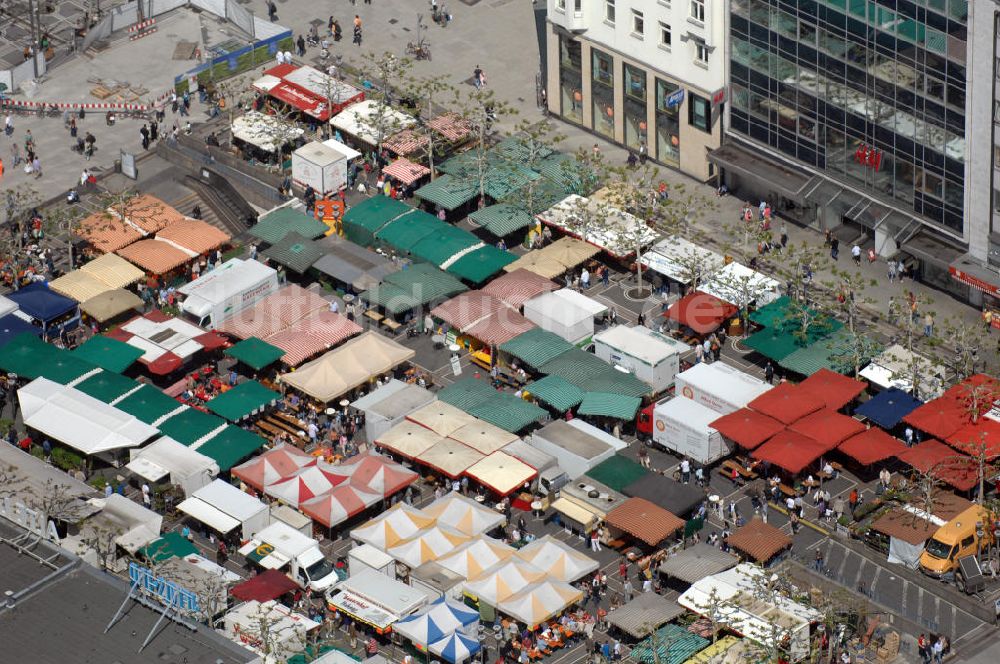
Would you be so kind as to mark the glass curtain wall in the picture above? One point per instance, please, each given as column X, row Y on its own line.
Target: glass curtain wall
column 635, row 106
column 603, row 93
column 668, row 127
column 571, row 79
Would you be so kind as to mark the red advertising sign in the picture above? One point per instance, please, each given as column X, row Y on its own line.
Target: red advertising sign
column 868, row 156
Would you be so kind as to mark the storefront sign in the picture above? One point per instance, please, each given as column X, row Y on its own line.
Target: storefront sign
column 718, row 97
column 868, row 156
column 975, row 282
column 161, row 589
column 675, row 98
column 32, row 520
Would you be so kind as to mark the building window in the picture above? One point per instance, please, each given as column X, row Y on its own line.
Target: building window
column 602, row 93
column 561, row 5
column 578, row 7
column 665, row 36
column 603, row 67
column 571, row 79
column 635, row 82
column 669, row 98
column 635, row 106
column 638, row 24
column 699, row 113
column 996, row 200
column 698, row 10
column 700, row 53
column 609, row 11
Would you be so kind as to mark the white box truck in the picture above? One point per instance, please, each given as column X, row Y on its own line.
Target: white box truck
column 650, row 356
column 279, row 546
column 719, row 386
column 225, row 291
column 323, row 166
column 684, row 426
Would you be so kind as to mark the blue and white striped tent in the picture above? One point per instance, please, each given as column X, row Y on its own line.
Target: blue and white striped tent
column 437, row 621
column 456, row 648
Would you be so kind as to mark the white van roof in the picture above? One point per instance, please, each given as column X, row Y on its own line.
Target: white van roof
column 231, row 277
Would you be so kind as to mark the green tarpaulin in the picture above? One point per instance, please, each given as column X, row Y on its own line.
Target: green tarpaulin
column 606, row 404
column 772, row 314
column 617, row 472
column 363, row 220
column 275, row 225
column 502, row 219
column 508, row 411
column 406, row 231
column 24, row 355
column 255, row 353
column 107, row 353
column 448, row 191
column 835, row 352
column 188, row 426
column 480, row 264
column 556, row 392
column 411, row 287
column 672, row 644
column 243, row 400
column 148, row 404
column 782, row 340
column 171, row 545
column 295, row 252
column 230, row 446
column 106, row 386
column 443, row 244
column 536, row 347
column 591, row 373
column 466, row 393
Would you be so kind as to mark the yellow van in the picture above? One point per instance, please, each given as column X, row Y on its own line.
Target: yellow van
column 956, row 539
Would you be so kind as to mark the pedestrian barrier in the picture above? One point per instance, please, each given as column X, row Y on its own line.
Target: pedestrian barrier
column 97, row 106
column 140, row 35
column 140, row 26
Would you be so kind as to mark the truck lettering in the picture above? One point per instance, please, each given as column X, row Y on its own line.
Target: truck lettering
column 255, row 292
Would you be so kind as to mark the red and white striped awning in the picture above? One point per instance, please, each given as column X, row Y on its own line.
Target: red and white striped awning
column 975, row 282
column 406, row 171
column 405, row 142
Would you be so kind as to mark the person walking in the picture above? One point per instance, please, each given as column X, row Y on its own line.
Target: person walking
column 769, row 372
column 595, row 540
column 272, row 11
column 856, row 255
column 923, row 650
column 818, row 561
column 144, row 132
column 834, row 248
column 937, row 650
column 477, row 77
column 987, row 319
column 357, row 35
column 36, row 166
column 928, row 324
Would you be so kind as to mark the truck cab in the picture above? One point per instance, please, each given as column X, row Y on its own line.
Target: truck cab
column 967, row 534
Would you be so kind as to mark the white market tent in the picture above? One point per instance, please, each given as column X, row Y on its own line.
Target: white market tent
column 437, row 620
column 894, row 368
column 362, row 121
column 577, row 450
column 387, row 406
column 540, row 601
column 558, row 559
column 166, row 460
column 735, row 282
column 223, row 507
column 135, row 525
column 427, row 545
column 600, row 224
column 408, row 439
column 501, row 472
column 476, row 556
column 157, row 338
column 398, row 523
column 73, row 418
column 748, row 610
column 463, row 514
column 441, row 418
column 266, row 132
column 7, row 306
column 669, row 257
column 502, row 581
column 564, row 312
column 534, row 457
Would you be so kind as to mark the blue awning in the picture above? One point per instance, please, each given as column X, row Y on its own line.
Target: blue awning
column 39, row 302
column 889, row 407
column 11, row 326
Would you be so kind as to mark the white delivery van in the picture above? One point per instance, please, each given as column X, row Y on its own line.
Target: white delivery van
column 719, row 386
column 684, row 426
column 322, row 166
column 375, row 599
column 225, row 291
column 650, row 356
column 279, row 546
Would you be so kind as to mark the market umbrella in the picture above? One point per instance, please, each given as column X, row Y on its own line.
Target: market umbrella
column 435, row 623
column 274, row 465
column 456, row 648
column 338, row 505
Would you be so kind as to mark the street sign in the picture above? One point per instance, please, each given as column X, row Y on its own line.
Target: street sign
column 161, row 589
column 719, row 96
column 675, row 98
column 456, row 365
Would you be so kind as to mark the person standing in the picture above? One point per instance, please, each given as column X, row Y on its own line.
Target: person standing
column 144, row 132
column 272, row 11
column 923, row 650
column 818, row 561
column 834, row 248
column 856, row 255
column 928, row 324
column 937, row 650
column 769, row 372
column 685, row 471
column 987, row 319
column 595, row 540
column 36, row 166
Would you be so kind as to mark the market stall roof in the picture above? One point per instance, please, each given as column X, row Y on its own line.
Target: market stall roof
column 409, row 288
column 171, row 545
column 975, row 438
column 267, row 585
column 542, row 265
column 78, row 420
column 500, row 327
column 456, row 647
column 477, row 555
column 377, row 473
column 435, row 621
column 111, row 303
column 276, row 224
column 791, row 451
column 165, row 456
column 483, row 437
column 400, row 522
column 941, row 417
column 255, row 353
column 307, row 483
column 194, row 235
column 465, row 515
column 556, row 392
column 449, row 457
column 274, row 313
column 363, row 220
column 113, row 270
column 11, row 327
column 503, row 580
column 501, row 472
column 644, row 520
column 448, row 192
column 282, row 461
column 148, row 404
column 701, row 312
column 540, row 601
column 466, row 393
column 407, row 230
column 106, row 386
column 155, row 256
column 479, row 264
column 427, row 545
column 902, row 525
column 773, row 314
column 696, row 562
column 352, row 264
column 107, row 353
column 871, row 446
column 408, row 439
column 106, row 232
column 536, row 347
column 737, row 284
column 786, row 403
column 834, row 353
column 502, row 219
column 777, row 343
column 591, row 373
column 406, row 171
column 79, row 285
column 267, row 132
column 295, row 252
column 441, row 418
column 340, row 504
column 617, row 472
column 644, row 614
column 7, row 306
column 557, row 559
column 348, row 366
column 837, row 390
column 608, row 404
column 467, row 309
column 671, row 495
column 895, row 368
column 191, row 425
column 888, row 407
column 28, row 356
column 406, row 142
column 828, row 427
column 452, row 126
column 618, row 233
column 747, row 428
column 37, row 301
column 519, row 286
column 309, row 90
column 682, row 260
column 363, row 120
column 246, row 399
column 761, row 541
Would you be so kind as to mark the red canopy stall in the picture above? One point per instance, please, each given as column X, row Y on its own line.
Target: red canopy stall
column 786, row 403
column 309, row 90
column 791, row 451
column 269, row 584
column 828, row 427
column 871, row 446
column 701, row 312
column 747, row 428
column 837, row 390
